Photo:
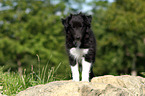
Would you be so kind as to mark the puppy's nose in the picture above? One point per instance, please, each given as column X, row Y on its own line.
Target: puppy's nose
column 78, row 37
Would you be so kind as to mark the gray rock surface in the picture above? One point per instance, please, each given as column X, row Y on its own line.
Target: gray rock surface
column 103, row 86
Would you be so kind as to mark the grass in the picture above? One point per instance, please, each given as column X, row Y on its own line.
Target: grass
column 11, row 83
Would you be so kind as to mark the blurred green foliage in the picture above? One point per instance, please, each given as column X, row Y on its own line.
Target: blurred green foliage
column 121, row 37
column 31, row 33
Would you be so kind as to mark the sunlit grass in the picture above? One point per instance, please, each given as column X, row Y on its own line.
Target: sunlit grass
column 11, row 83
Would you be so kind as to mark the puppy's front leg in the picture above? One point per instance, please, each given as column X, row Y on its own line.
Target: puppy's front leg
column 75, row 72
column 86, row 66
column 74, row 68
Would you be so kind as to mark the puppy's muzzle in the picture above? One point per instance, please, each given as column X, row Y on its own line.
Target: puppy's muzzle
column 78, row 37
column 77, row 43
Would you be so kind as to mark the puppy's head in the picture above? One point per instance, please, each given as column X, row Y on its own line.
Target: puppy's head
column 76, row 25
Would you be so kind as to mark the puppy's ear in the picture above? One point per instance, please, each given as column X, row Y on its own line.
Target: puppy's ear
column 80, row 13
column 87, row 19
column 64, row 22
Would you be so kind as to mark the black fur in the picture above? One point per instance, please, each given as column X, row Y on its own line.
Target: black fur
column 78, row 29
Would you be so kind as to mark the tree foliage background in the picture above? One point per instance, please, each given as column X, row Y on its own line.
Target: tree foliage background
column 31, row 34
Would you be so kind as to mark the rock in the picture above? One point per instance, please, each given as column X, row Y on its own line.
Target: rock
column 103, row 86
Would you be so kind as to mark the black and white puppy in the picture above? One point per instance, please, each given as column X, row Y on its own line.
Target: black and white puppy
column 80, row 45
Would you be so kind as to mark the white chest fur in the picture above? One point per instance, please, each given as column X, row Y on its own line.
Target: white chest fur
column 78, row 53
